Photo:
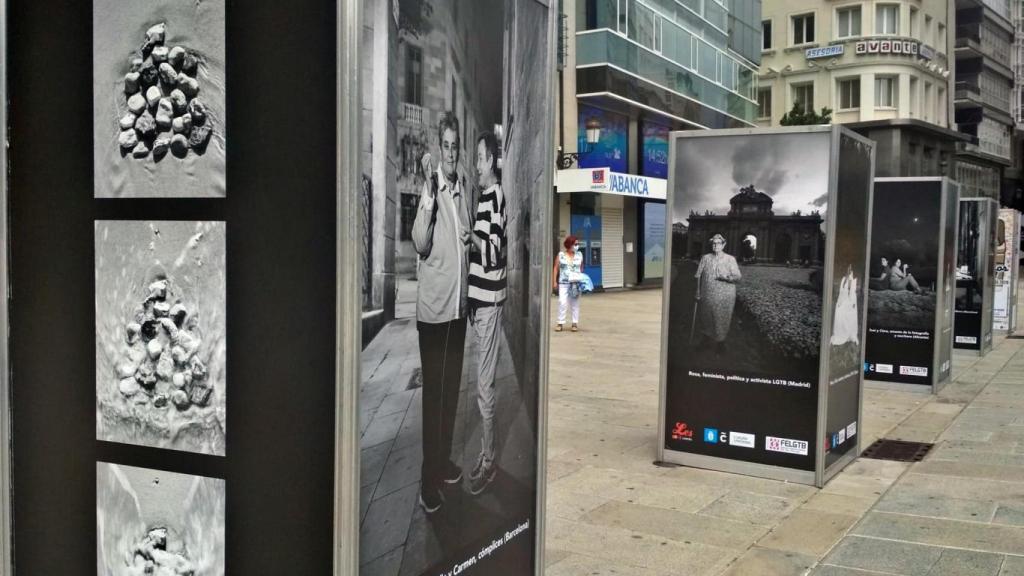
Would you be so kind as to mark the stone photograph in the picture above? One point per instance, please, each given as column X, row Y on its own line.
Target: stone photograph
column 455, row 160
column 155, row 523
column 159, row 103
column 161, row 334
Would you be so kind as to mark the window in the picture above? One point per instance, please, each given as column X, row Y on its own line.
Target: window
column 766, row 34
column 803, row 28
column 927, row 36
column 803, row 96
column 887, row 19
column 941, row 41
column 413, row 75
column 926, row 106
column 940, row 103
column 848, row 22
column 849, row 94
column 914, row 13
column 885, row 92
column 912, row 98
column 764, row 103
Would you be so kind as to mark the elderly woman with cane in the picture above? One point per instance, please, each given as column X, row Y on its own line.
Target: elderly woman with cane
column 717, row 275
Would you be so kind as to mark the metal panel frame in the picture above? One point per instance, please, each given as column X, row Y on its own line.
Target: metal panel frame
column 546, row 241
column 6, row 521
column 819, row 475
column 348, row 293
column 985, row 346
column 947, row 186
column 826, row 473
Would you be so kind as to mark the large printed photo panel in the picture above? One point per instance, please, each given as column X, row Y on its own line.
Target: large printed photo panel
column 456, row 163
column 745, row 296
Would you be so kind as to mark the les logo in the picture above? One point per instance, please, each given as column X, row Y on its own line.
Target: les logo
column 682, row 432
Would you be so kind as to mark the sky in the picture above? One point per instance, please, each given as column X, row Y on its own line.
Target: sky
column 791, row 168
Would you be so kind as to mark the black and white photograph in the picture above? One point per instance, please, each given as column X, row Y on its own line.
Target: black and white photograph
column 159, row 102
column 904, row 257
column 160, row 334
column 151, row 522
column 748, row 252
column 455, row 160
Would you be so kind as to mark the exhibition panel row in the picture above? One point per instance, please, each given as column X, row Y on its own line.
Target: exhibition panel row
column 764, row 309
column 911, row 289
column 318, row 350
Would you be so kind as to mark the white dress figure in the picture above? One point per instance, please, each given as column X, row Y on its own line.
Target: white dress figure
column 845, row 320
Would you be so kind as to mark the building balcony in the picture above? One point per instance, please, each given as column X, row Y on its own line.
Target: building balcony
column 413, row 114
column 598, row 48
column 968, row 94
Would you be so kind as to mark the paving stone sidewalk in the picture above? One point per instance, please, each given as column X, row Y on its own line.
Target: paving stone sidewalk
column 611, row 511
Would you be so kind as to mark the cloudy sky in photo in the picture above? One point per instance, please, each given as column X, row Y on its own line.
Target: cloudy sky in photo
column 791, row 168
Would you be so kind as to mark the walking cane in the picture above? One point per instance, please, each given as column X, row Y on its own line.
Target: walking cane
column 693, row 324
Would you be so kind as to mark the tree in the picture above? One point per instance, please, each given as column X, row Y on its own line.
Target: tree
column 797, row 117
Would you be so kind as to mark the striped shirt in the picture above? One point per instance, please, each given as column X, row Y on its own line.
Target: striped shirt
column 487, row 281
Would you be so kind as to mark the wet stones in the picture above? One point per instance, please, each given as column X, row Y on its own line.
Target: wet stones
column 136, row 104
column 179, row 101
column 182, row 124
column 176, row 57
column 161, row 368
column 168, row 75
column 164, row 113
column 131, row 83
column 128, row 139
column 127, row 121
column 162, row 83
column 153, row 96
column 179, row 145
column 199, row 136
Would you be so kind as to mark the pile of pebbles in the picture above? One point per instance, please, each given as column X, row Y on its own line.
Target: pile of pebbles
column 161, row 367
column 151, row 557
column 164, row 109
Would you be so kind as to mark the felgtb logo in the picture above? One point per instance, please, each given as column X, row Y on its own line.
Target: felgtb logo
column 785, row 445
column 682, row 432
column 597, row 176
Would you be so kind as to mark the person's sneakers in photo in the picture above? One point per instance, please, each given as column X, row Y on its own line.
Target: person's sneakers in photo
column 431, row 501
column 452, row 473
column 485, row 475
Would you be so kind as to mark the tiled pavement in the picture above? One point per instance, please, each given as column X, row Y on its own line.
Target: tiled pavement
column 611, row 511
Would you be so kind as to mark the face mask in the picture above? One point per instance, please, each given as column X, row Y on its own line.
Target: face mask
column 575, row 247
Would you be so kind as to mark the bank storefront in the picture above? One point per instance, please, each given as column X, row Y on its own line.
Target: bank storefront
column 620, row 221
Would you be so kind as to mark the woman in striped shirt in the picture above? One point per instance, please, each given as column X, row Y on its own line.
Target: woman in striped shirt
column 487, row 285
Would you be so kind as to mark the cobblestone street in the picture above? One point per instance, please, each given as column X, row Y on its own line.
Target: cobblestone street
column 612, row 511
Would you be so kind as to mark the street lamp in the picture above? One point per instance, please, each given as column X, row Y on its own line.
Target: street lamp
column 592, row 129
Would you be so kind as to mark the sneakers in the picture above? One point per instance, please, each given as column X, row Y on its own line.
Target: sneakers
column 558, row 328
column 485, row 476
column 452, row 473
column 575, row 328
column 431, row 502
column 481, row 476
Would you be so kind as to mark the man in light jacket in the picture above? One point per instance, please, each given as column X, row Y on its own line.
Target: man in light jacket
column 441, row 236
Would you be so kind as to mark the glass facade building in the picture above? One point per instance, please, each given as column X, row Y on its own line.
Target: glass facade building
column 636, row 70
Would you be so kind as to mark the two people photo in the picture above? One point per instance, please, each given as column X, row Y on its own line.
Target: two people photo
column 461, row 283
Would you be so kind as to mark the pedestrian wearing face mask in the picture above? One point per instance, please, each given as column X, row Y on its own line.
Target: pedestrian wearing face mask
column 567, row 276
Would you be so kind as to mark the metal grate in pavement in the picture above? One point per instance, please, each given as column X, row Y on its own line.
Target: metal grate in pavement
column 897, row 450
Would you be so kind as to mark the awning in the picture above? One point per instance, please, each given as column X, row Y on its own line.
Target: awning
column 604, row 181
